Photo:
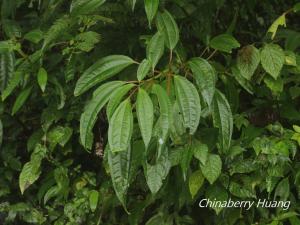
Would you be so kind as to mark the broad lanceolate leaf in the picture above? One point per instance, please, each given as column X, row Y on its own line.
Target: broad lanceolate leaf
column 189, row 102
column 195, row 182
column 42, row 78
column 144, row 111
column 116, row 98
column 89, row 117
column 168, row 27
column 212, row 169
column 143, row 69
column 222, row 118
column 12, row 84
column 7, row 67
column 280, row 21
column 100, row 71
column 165, row 119
column 93, row 200
column 82, row 7
column 155, row 174
column 205, row 76
column 272, row 59
column 120, row 127
column 224, row 43
column 155, row 49
column 217, row 192
column 119, row 168
column 151, row 7
column 248, row 60
column 31, row 170
column 186, row 157
column 21, row 99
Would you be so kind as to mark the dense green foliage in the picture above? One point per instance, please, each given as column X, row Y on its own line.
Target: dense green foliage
column 131, row 112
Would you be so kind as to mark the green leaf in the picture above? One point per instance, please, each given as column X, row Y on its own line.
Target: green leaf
column 119, row 168
column 151, row 7
column 132, row 4
column 272, row 59
column 205, row 76
column 224, row 43
column 218, row 193
column 155, row 174
column 83, row 7
column 86, row 41
column 144, row 111
column 189, row 103
column 280, row 21
column 42, row 78
column 31, row 170
column 21, row 99
column 165, row 105
column 143, row 69
column 168, row 27
column 296, row 7
column 116, row 98
column 12, row 84
column 212, row 169
column 242, row 80
column 200, row 152
column 247, row 61
column 89, row 117
column 93, row 200
column 222, row 118
column 7, row 67
column 120, row 127
column 185, row 159
column 241, row 191
column 34, row 36
column 155, row 49
column 283, row 189
column 100, row 71
column 276, row 86
column 196, row 181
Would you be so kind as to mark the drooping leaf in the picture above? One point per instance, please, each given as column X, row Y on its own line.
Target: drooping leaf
column 35, row 36
column 144, row 111
column 247, row 61
column 116, row 98
column 168, row 27
column 283, row 189
column 222, row 118
column 272, row 59
column 93, row 200
column 89, row 117
column 31, row 170
column 200, row 152
column 155, row 49
column 246, row 84
column 216, row 192
column 280, row 21
column 143, row 69
column 83, row 7
column 185, row 159
column 7, row 67
column 119, row 168
column 21, row 99
column 205, row 76
column 12, row 84
column 195, row 182
column 42, row 77
column 189, row 103
column 120, row 127
column 101, row 70
column 155, row 174
column 151, row 7
column 212, row 169
column 224, row 43
column 132, row 4
column 165, row 119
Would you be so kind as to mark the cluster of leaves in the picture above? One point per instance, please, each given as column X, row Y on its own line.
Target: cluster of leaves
column 130, row 112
